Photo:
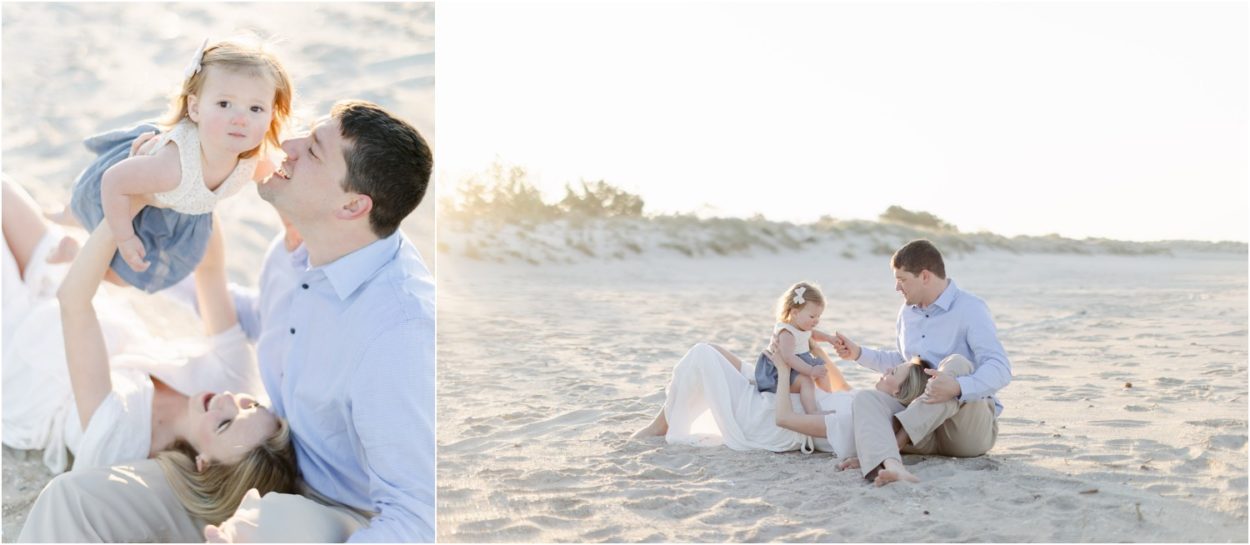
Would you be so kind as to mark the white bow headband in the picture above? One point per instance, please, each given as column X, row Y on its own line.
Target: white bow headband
column 798, row 295
column 194, row 67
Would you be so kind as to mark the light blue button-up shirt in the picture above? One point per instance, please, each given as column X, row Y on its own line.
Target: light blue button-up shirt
column 346, row 353
column 958, row 322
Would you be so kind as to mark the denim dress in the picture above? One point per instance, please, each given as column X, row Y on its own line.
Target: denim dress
column 174, row 241
column 766, row 372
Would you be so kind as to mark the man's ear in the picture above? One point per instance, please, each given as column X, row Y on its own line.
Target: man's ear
column 193, row 108
column 358, row 207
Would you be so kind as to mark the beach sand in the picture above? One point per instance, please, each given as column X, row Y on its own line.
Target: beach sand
column 1125, row 421
column 72, row 70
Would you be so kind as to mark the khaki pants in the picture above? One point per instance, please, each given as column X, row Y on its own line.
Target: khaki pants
column 950, row 428
column 134, row 503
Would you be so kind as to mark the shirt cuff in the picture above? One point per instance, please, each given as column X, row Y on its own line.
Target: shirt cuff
column 964, row 382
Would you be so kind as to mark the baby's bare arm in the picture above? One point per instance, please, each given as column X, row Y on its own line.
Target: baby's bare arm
column 136, row 178
column 126, row 188
column 785, row 344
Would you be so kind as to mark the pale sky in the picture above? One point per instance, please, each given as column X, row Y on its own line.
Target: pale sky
column 1124, row 120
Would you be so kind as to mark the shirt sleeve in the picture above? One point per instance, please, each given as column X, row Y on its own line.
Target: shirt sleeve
column 993, row 369
column 392, row 396
column 883, row 360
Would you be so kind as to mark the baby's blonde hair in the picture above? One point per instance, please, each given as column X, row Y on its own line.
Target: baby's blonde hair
column 246, row 56
column 786, row 305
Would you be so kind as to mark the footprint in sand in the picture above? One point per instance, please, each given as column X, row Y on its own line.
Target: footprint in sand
column 1231, row 442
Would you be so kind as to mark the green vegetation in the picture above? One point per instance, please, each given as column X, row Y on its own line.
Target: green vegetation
column 498, row 215
column 503, row 194
column 898, row 214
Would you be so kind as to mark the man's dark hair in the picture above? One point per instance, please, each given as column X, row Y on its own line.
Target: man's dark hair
column 387, row 159
column 919, row 255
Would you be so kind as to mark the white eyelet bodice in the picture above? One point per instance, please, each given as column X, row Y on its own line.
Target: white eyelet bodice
column 801, row 338
column 192, row 196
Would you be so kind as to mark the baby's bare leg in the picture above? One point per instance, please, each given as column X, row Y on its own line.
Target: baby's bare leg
column 807, row 394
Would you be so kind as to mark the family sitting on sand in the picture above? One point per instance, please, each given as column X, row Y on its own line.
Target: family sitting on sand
column 340, row 333
column 915, row 408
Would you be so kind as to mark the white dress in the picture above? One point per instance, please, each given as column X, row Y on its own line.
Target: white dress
column 709, row 403
column 192, row 196
column 38, row 409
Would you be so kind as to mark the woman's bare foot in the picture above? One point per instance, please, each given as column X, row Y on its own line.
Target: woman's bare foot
column 656, row 428
column 892, row 472
column 849, row 463
column 65, row 250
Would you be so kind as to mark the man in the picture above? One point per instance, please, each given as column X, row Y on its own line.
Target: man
column 957, row 414
column 344, row 326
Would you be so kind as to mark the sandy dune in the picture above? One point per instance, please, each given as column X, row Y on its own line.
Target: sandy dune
column 71, row 70
column 544, row 371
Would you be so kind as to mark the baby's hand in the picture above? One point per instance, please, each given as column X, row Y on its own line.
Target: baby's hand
column 133, row 253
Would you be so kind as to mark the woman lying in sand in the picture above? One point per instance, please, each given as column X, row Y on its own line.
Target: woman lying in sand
column 111, row 408
column 711, row 379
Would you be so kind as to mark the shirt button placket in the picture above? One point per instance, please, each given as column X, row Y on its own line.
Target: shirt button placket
column 304, row 286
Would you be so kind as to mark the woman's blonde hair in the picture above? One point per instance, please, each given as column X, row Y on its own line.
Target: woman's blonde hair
column 913, row 385
column 215, row 493
column 786, row 306
column 244, row 56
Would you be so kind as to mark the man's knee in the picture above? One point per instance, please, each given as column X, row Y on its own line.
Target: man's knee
column 291, row 518
column 970, row 433
column 870, row 402
column 956, row 365
column 55, row 510
column 970, row 447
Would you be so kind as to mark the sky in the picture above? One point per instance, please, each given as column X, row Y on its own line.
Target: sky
column 1123, row 120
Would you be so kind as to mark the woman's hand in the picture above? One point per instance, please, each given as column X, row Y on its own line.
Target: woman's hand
column 132, row 253
column 777, row 360
column 142, row 145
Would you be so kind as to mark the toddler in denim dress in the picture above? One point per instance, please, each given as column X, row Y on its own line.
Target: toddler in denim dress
column 798, row 312
column 233, row 104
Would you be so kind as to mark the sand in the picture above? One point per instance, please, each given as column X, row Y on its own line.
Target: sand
column 71, row 70
column 545, row 370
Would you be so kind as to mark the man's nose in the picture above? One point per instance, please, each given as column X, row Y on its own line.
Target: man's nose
column 290, row 147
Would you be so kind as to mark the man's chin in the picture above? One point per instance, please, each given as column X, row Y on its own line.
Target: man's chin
column 267, row 189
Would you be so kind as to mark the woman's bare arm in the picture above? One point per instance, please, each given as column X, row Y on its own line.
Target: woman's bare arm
column 216, row 305
column 85, row 351
column 836, row 380
column 806, row 424
column 785, row 345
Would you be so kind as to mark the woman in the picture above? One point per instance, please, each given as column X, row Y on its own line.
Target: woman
column 710, row 379
column 212, row 447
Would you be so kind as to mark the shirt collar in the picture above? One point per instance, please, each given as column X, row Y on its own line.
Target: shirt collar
column 350, row 271
column 948, row 296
